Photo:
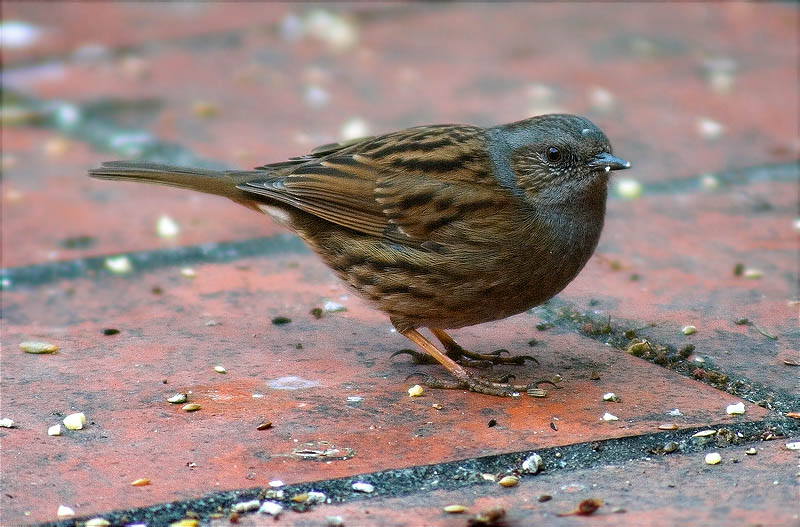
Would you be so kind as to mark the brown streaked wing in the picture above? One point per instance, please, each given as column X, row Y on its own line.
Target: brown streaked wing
column 402, row 186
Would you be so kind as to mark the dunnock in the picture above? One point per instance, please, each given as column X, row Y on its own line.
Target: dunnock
column 438, row 226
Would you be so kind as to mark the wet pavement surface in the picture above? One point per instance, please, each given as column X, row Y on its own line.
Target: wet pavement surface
column 703, row 231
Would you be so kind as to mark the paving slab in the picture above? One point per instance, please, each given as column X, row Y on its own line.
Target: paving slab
column 303, row 376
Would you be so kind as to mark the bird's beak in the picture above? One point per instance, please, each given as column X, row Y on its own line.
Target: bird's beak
column 608, row 162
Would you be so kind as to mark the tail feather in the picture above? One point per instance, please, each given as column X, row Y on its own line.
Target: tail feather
column 218, row 182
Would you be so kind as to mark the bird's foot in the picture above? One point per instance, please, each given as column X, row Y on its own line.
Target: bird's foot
column 464, row 358
column 495, row 357
column 472, row 358
column 417, row 357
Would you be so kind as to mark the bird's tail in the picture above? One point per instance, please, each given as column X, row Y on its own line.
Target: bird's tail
column 218, row 182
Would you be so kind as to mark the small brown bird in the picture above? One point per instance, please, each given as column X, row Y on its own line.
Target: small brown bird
column 439, row 226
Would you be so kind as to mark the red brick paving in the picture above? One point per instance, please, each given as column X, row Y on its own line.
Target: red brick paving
column 117, row 381
column 411, row 65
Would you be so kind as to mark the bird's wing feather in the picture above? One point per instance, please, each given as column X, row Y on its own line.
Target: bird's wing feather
column 404, row 186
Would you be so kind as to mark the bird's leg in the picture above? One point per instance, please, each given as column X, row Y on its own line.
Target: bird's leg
column 464, row 380
column 456, row 352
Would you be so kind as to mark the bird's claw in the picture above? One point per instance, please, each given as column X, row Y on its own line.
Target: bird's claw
column 417, row 357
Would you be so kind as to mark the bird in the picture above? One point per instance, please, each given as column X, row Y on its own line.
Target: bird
column 437, row 226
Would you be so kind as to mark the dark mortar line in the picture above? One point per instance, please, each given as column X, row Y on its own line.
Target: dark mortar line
column 455, row 475
column 97, row 123
column 769, row 172
column 610, row 331
column 40, row 274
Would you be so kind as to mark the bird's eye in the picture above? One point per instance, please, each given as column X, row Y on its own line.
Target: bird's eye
column 553, row 154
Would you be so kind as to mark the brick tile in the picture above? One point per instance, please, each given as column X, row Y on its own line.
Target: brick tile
column 117, row 381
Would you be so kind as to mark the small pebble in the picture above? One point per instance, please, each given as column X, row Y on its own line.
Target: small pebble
column 713, row 458
column 532, row 464
column 508, row 481
column 735, row 409
column 38, row 347
column 610, row 417
column 246, row 506
column 65, row 512
column 709, row 129
column 363, row 487
column 141, row 482
column 314, row 497
column 188, row 272
column 264, row 426
column 689, row 330
column 753, row 273
column 220, row 369
column 794, row 445
column 6, row 423
column 436, row 406
column 334, row 521
column 75, row 421
column 191, row 407
column 118, row 264
column 354, row 129
column 185, row 522
column 672, row 446
column 178, row 398
column 415, row 391
column 333, row 307
column 751, row 452
column 166, row 227
column 611, row 396
column 674, row 413
column 97, row 522
column 275, row 483
column 54, row 430
column 454, row 509
column 628, row 188
column 668, row 426
column 601, row 99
